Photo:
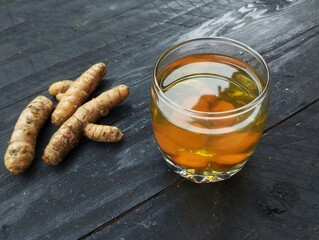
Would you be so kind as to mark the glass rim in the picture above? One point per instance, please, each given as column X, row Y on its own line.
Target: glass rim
column 223, row 114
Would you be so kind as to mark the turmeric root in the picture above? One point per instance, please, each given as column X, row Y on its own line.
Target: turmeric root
column 103, row 133
column 77, row 93
column 69, row 134
column 95, row 132
column 60, row 87
column 21, row 149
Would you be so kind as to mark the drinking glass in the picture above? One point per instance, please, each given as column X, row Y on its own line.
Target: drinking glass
column 209, row 104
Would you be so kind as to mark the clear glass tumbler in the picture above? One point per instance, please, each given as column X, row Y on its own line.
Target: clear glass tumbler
column 209, row 104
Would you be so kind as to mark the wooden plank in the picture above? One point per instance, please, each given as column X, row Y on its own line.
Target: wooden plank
column 274, row 197
column 92, row 186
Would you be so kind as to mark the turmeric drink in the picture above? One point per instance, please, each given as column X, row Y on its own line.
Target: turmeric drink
column 208, row 113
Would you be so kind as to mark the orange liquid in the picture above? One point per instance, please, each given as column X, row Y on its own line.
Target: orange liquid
column 207, row 83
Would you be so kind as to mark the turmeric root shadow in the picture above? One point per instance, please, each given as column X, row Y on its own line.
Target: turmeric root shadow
column 87, row 151
column 106, row 83
column 117, row 115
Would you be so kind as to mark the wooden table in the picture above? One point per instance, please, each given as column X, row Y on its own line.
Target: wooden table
column 125, row 190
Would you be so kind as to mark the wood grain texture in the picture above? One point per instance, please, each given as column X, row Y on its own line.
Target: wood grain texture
column 43, row 42
column 274, row 197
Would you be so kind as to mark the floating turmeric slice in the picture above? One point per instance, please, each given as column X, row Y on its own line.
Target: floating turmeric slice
column 210, row 98
column 184, row 138
column 204, row 103
column 167, row 145
column 191, row 160
column 234, row 142
column 222, row 106
column 229, row 158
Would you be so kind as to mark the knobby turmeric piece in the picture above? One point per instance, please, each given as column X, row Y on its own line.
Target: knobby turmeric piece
column 59, row 96
column 60, row 87
column 69, row 134
column 103, row 133
column 95, row 132
column 77, row 93
column 21, row 149
column 57, row 89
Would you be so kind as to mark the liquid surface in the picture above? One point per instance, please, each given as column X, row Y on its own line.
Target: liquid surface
column 207, row 83
column 189, row 79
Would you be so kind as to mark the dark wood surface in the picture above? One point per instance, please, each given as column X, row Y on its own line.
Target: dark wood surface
column 125, row 190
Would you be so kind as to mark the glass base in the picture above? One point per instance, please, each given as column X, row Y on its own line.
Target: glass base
column 212, row 176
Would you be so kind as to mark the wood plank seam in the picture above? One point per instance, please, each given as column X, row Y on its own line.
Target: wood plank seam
column 104, row 225
column 286, row 47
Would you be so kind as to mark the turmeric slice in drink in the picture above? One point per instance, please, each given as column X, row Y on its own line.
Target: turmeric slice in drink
column 204, row 103
column 210, row 98
column 182, row 137
column 167, row 145
column 191, row 160
column 185, row 138
column 222, row 106
column 229, row 158
column 234, row 142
